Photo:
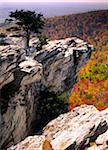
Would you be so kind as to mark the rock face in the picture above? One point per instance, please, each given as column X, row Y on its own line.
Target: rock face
column 75, row 130
column 22, row 77
column 19, row 89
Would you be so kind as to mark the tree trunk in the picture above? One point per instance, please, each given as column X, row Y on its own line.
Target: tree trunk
column 27, row 38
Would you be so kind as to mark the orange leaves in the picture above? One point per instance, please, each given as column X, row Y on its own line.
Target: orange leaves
column 86, row 67
column 92, row 85
column 70, row 107
column 93, row 93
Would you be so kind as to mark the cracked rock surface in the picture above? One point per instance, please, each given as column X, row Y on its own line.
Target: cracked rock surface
column 74, row 130
column 23, row 77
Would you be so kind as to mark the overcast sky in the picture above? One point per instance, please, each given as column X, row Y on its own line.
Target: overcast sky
column 55, row 1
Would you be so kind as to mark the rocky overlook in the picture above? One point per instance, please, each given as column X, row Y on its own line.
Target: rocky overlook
column 84, row 128
column 22, row 78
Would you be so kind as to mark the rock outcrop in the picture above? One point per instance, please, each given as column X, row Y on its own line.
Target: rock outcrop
column 23, row 77
column 83, row 128
column 19, row 89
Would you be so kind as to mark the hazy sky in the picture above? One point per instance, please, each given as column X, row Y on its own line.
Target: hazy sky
column 55, row 1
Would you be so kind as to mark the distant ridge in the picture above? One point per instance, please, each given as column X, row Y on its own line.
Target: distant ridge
column 50, row 9
column 83, row 25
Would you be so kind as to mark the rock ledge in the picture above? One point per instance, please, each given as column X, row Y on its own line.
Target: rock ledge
column 75, row 130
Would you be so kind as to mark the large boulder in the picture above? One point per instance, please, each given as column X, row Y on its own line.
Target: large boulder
column 75, row 130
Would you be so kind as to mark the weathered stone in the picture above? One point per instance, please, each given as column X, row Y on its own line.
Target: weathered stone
column 31, row 143
column 22, row 78
column 74, row 130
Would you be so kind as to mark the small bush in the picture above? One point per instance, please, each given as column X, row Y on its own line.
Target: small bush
column 43, row 41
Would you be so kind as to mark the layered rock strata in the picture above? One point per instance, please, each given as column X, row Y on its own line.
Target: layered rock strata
column 23, row 77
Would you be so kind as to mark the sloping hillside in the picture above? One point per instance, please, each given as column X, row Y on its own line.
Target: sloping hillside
column 81, row 25
column 92, row 85
column 90, row 26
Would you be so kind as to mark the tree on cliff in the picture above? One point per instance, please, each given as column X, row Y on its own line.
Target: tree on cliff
column 28, row 21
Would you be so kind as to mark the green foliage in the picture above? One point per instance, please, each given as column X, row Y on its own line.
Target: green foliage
column 62, row 96
column 89, row 96
column 51, row 105
column 96, row 72
column 43, row 41
column 28, row 21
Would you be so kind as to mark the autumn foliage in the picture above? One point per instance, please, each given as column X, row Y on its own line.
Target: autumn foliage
column 92, row 86
column 82, row 25
column 92, row 93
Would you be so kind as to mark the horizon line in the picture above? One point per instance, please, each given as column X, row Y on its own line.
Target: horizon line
column 51, row 2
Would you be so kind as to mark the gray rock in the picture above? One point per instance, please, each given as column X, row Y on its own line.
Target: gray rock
column 22, row 78
column 74, row 130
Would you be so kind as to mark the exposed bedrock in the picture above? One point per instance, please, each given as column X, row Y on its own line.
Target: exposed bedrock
column 23, row 79
column 84, row 128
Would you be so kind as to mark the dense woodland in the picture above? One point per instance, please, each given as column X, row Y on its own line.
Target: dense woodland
column 92, row 84
column 80, row 25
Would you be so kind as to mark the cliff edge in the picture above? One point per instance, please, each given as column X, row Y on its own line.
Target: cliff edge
column 22, row 78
